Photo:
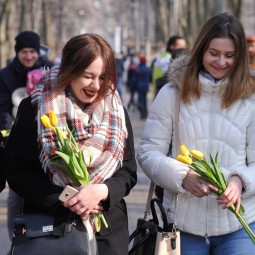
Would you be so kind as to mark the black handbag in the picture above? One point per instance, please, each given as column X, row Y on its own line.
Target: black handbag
column 145, row 235
column 33, row 235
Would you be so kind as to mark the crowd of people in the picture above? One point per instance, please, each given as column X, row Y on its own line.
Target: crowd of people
column 213, row 85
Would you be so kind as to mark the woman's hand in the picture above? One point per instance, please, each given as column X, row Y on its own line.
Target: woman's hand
column 88, row 199
column 232, row 194
column 197, row 186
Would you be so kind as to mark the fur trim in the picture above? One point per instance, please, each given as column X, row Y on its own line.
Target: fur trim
column 177, row 69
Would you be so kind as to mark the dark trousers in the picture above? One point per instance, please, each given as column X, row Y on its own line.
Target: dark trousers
column 142, row 101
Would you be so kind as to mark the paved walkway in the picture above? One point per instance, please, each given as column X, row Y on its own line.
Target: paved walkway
column 135, row 201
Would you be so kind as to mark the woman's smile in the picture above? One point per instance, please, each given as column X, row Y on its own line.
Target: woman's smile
column 89, row 93
column 86, row 86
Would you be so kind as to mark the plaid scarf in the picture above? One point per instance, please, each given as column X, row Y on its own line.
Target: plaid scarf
column 102, row 131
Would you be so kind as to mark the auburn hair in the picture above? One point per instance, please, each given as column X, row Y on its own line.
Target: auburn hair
column 77, row 55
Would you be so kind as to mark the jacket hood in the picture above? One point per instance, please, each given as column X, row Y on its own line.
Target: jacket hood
column 176, row 71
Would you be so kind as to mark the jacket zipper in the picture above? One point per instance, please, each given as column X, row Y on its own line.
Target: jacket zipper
column 209, row 151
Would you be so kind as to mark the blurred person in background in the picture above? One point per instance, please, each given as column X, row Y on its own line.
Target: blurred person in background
column 119, row 60
column 161, row 64
column 13, row 82
column 132, row 81
column 14, row 75
column 251, row 50
column 143, row 73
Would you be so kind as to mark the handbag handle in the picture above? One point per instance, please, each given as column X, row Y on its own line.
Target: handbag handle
column 151, row 229
column 162, row 211
column 138, row 244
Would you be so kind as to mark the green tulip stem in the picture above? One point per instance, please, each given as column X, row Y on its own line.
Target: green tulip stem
column 245, row 225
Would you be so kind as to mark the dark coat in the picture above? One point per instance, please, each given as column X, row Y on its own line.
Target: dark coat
column 132, row 77
column 13, row 76
column 26, row 177
column 144, row 75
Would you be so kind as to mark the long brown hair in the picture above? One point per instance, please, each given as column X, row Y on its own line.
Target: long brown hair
column 78, row 53
column 240, row 82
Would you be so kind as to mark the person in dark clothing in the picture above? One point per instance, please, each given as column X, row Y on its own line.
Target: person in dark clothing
column 132, row 81
column 13, row 80
column 14, row 75
column 143, row 82
column 99, row 123
column 119, row 61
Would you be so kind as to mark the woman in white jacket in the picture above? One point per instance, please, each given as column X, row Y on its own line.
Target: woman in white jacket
column 217, row 114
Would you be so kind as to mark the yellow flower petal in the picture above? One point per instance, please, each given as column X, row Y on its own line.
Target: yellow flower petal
column 5, row 133
column 197, row 154
column 184, row 159
column 184, row 150
column 53, row 118
column 46, row 121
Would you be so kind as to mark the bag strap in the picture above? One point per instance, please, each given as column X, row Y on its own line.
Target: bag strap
column 177, row 146
column 150, row 194
column 162, row 211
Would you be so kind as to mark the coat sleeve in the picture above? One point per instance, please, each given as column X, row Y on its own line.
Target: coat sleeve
column 247, row 173
column 124, row 179
column 22, row 166
column 6, row 118
column 156, row 141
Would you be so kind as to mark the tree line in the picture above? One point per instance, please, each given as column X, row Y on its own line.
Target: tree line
column 145, row 25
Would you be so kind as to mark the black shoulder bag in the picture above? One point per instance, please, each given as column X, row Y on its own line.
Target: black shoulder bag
column 34, row 235
column 150, row 238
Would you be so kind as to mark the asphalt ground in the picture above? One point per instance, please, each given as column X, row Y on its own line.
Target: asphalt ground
column 136, row 200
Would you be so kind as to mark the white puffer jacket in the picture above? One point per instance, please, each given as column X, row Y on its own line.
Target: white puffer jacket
column 205, row 126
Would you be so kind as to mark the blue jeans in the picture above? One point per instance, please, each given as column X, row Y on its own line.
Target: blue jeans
column 236, row 243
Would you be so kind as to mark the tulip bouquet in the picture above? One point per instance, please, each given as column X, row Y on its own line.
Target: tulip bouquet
column 212, row 173
column 73, row 162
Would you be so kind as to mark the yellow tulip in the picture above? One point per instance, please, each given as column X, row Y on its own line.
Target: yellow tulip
column 184, row 159
column 53, row 118
column 46, row 121
column 184, row 150
column 5, row 133
column 197, row 154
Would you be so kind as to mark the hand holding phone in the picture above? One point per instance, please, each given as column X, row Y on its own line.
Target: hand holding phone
column 67, row 193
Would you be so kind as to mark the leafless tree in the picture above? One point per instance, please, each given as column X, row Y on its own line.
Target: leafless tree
column 145, row 25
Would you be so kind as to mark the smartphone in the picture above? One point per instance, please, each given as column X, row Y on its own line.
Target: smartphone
column 67, row 193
